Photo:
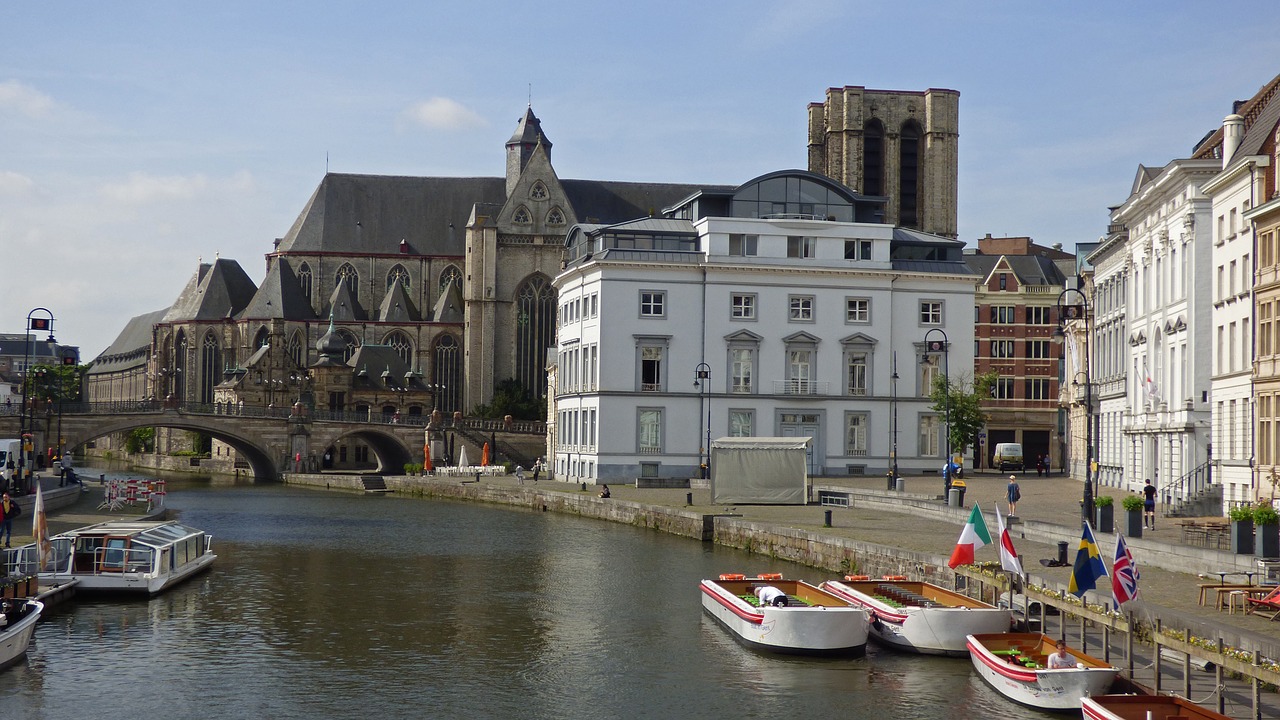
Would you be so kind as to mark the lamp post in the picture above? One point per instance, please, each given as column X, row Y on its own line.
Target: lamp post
column 943, row 346
column 702, row 381
column 1070, row 312
column 893, row 399
column 27, row 426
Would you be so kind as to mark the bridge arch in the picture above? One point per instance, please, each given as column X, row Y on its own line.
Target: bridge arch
column 259, row 459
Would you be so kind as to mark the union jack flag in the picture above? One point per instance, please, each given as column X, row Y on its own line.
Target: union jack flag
column 1124, row 574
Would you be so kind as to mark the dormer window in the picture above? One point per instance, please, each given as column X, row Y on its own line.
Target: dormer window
column 539, row 191
column 522, row 216
column 555, row 217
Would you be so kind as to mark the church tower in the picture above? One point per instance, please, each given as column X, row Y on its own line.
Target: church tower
column 900, row 145
column 527, row 137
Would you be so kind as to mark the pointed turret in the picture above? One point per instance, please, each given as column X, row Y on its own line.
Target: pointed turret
column 528, row 135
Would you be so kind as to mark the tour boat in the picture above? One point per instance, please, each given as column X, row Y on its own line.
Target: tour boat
column 120, row 556
column 19, row 624
column 1144, row 707
column 919, row 616
column 813, row 621
column 1016, row 666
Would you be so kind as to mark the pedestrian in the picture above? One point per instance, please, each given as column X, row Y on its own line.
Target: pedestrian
column 604, row 492
column 537, row 469
column 9, row 511
column 520, row 474
column 1149, row 505
column 1013, row 494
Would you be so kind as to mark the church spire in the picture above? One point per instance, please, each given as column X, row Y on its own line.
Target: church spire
column 520, row 147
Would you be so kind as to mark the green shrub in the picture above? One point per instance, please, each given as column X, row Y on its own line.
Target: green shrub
column 1103, row 501
column 1265, row 514
column 1240, row 513
column 1132, row 502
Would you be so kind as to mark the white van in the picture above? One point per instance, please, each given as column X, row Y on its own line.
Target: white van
column 1008, row 456
column 10, row 451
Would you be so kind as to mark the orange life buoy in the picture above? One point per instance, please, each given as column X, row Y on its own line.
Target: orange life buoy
column 856, row 578
column 893, row 577
column 732, row 576
column 769, row 576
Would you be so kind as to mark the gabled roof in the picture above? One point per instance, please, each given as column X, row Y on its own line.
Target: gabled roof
column 343, row 307
column 397, row 306
column 1028, row 269
column 131, row 347
column 280, row 296
column 380, row 367
column 217, row 291
column 448, row 306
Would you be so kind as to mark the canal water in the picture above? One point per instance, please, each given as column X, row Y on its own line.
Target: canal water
column 328, row 605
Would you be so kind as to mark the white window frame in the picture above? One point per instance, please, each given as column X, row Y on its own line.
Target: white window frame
column 856, row 433
column 932, row 313
column 649, row 430
column 742, row 306
column 742, row 422
column 653, row 303
column 800, row 308
column 854, row 315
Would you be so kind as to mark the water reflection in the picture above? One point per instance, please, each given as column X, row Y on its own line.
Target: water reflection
column 333, row 605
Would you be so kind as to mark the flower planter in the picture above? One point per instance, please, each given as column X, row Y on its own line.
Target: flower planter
column 1105, row 518
column 1133, row 523
column 1268, row 540
column 1242, row 537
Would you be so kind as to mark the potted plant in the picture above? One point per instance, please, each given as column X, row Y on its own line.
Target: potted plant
column 1241, row 517
column 1104, row 513
column 1132, row 505
column 1266, row 521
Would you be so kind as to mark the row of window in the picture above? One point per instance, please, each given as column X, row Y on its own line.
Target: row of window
column 1006, row 315
column 580, row 308
column 800, row 308
column 348, row 275
column 798, row 246
column 1004, row 348
column 522, row 216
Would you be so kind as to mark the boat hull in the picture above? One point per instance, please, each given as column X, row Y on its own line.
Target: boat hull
column 834, row 629
column 16, row 637
column 131, row 582
column 925, row 630
column 1160, row 707
column 1059, row 690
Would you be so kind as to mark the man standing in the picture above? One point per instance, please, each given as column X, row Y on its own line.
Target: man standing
column 9, row 511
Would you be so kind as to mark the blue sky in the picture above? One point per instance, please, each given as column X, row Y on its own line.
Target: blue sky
column 137, row 138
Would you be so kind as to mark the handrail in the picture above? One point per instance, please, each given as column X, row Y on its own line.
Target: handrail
column 1177, row 494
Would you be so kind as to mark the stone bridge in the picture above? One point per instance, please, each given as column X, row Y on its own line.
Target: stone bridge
column 267, row 438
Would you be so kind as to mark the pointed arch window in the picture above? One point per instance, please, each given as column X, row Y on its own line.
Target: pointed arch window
column 538, row 191
column 398, row 275
column 350, row 343
column 535, row 332
column 180, row 365
column 909, row 174
column 402, row 346
column 873, row 158
column 304, row 280
column 522, row 216
column 262, row 338
column 555, row 217
column 295, row 348
column 446, row 373
column 210, row 366
column 450, row 275
column 348, row 276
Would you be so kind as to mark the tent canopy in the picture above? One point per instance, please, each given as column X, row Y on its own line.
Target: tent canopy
column 763, row 470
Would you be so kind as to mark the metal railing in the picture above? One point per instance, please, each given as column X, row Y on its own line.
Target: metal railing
column 1188, row 488
column 800, row 387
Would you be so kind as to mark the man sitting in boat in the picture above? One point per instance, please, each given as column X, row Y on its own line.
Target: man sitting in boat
column 1061, row 660
column 770, row 595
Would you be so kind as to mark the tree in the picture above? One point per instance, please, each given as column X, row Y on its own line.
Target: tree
column 966, row 413
column 54, row 382
column 511, row 398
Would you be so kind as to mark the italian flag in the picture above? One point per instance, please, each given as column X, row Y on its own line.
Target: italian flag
column 974, row 536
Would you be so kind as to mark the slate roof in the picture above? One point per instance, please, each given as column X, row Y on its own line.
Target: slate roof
column 382, row 369
column 398, row 307
column 1029, row 269
column 131, row 346
column 216, row 291
column 280, row 296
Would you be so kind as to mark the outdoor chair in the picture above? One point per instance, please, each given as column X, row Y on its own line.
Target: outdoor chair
column 1269, row 603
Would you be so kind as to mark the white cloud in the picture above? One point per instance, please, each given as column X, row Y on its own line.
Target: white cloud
column 20, row 99
column 14, row 184
column 442, row 114
column 143, row 188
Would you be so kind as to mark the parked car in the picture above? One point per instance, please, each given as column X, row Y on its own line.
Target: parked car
column 1008, row 456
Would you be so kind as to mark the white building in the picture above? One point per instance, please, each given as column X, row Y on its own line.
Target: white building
column 782, row 307
column 1109, row 351
column 1166, row 233
column 1233, row 193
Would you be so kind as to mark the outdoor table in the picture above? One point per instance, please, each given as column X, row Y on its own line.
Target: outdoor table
column 1241, row 595
column 1224, row 593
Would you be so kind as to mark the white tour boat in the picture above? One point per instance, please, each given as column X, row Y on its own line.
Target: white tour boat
column 120, row 556
column 803, row 619
column 1140, row 707
column 919, row 616
column 18, row 619
column 1016, row 666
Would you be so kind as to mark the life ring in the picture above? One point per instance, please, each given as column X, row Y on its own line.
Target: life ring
column 893, row 577
column 856, row 578
column 732, row 576
column 769, row 576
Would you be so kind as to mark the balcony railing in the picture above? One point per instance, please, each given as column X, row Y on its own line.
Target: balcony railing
column 800, row 387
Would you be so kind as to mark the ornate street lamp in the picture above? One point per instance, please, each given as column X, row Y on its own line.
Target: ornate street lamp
column 27, row 424
column 702, row 381
column 943, row 346
column 1066, row 313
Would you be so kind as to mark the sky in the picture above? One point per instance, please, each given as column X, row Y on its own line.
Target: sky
column 139, row 138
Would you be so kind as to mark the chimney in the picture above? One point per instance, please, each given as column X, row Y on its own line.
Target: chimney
column 1232, row 133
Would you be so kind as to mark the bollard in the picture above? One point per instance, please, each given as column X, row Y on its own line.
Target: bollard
column 953, row 497
column 826, row 522
column 1062, row 553
column 901, row 485
column 688, row 498
column 102, row 479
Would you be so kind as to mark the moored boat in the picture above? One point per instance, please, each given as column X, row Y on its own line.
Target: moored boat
column 919, row 616
column 120, row 556
column 1144, row 707
column 805, row 620
column 18, row 619
column 1016, row 665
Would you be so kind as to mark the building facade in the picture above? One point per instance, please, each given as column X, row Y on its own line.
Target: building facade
column 781, row 307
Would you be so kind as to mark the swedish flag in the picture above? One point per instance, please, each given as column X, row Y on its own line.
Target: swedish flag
column 1089, row 566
